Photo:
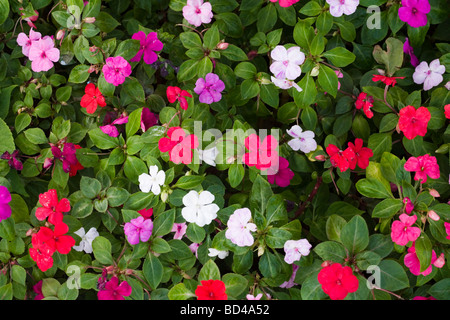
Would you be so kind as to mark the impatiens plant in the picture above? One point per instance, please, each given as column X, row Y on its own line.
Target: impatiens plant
column 224, row 150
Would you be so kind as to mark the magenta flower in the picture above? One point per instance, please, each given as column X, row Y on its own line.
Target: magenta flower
column 5, row 199
column 67, row 155
column 110, row 129
column 447, row 230
column 116, row 70
column 412, row 262
column 114, row 291
column 209, row 89
column 26, row 41
column 283, row 176
column 408, row 49
column 424, row 166
column 42, row 54
column 138, row 229
column 13, row 162
column 148, row 119
column 179, row 229
column 149, row 44
column 196, row 12
column 414, row 12
column 37, row 288
column 239, row 228
column 402, row 231
column 409, row 206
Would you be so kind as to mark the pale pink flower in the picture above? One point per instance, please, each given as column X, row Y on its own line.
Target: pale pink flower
column 26, row 41
column 430, row 76
column 196, row 12
column 340, row 7
column 116, row 70
column 402, row 231
column 252, row 297
column 285, row 84
column 239, row 228
column 295, row 249
column 286, row 63
column 194, row 248
column 290, row 283
column 42, row 54
column 179, row 229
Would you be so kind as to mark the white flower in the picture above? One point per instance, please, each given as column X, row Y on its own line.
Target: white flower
column 285, row 84
column 208, row 155
column 152, row 181
column 295, row 249
column 340, row 7
column 286, row 63
column 199, row 208
column 86, row 239
column 430, row 76
column 303, row 140
column 219, row 253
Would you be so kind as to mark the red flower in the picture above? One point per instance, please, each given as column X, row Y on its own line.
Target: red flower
column 413, row 122
column 447, row 111
column 337, row 281
column 262, row 155
column 362, row 155
column 211, row 290
column 179, row 145
column 92, row 98
column 51, row 207
column 77, row 166
column 175, row 93
column 146, row 213
column 115, row 291
column 365, row 103
column 63, row 242
column 42, row 249
column 339, row 158
column 389, row 81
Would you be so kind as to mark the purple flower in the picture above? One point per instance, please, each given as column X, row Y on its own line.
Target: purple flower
column 67, row 155
column 149, row 44
column 291, row 282
column 138, row 229
column 209, row 89
column 430, row 76
column 12, row 159
column 414, row 12
column 410, row 51
column 5, row 198
column 148, row 119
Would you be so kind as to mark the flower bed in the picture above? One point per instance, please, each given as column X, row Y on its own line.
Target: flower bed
column 224, row 149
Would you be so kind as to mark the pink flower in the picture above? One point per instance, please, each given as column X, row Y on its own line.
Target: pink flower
column 116, row 70
column 447, row 229
column 423, row 298
column 412, row 262
column 138, row 229
column 209, row 89
column 409, row 206
column 290, row 283
column 179, row 145
column 149, row 44
column 252, row 297
column 340, row 76
column 239, row 228
column 115, row 291
column 286, row 62
column 148, row 119
column 286, row 3
column 340, row 7
column 281, row 176
column 413, row 122
column 261, row 155
column 295, row 249
column 196, row 12
column 37, row 288
column 424, row 166
column 42, row 54
column 408, row 49
column 430, row 76
column 402, row 232
column 110, row 129
column 194, row 248
column 414, row 12
column 26, row 41
column 179, row 229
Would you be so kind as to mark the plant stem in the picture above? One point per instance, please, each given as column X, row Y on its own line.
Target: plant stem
column 310, row 198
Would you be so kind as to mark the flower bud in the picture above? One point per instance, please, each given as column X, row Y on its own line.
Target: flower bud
column 89, row 20
column 60, row 34
column 320, row 157
column 222, row 45
column 260, row 251
column 326, row 264
column 434, row 193
column 315, row 71
column 164, row 196
column 433, row 215
column 440, row 261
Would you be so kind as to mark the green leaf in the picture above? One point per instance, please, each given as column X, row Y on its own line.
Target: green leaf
column 188, row 70
column 134, row 122
column 331, row 251
column 133, row 168
column 245, row 70
column 308, row 94
column 340, row 57
column 441, row 289
column 260, row 193
column 269, row 265
column 311, row 8
column 209, row 271
column 163, row 223
column 387, row 208
column 50, row 287
column 249, row 88
column 180, row 292
column 423, row 248
column 392, row 58
column 267, row 17
column 4, row 10
column 235, row 284
column 333, row 227
column 36, row 136
column 133, row 88
column 355, row 235
column 328, row 79
column 188, row 182
column 117, row 196
column 127, row 49
column 234, row 53
column 90, row 187
column 303, row 34
column 5, row 98
column 392, row 276
column 102, row 250
column 153, row 270
column 102, row 140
